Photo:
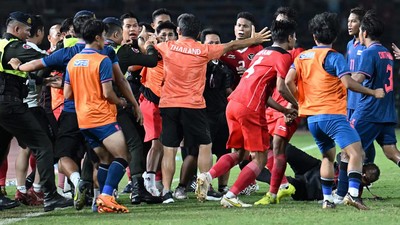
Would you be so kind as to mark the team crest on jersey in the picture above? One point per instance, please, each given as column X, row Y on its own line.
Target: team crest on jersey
column 231, row 56
column 359, row 52
column 250, row 56
column 25, row 46
column 307, row 55
column 81, row 63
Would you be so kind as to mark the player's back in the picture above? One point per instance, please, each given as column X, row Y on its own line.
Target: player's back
column 377, row 66
column 259, row 80
column 354, row 50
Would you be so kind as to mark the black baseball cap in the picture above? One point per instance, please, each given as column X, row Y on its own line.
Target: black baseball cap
column 20, row 17
column 85, row 13
column 112, row 20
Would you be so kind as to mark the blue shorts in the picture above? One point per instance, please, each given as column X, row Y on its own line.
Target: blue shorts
column 328, row 129
column 95, row 136
column 383, row 133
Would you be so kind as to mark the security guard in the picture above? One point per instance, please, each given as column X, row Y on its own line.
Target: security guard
column 15, row 119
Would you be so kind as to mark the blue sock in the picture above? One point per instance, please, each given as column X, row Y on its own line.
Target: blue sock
column 343, row 181
column 115, row 173
column 327, row 184
column 354, row 183
column 102, row 175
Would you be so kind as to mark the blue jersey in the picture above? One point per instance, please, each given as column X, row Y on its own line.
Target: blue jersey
column 354, row 50
column 376, row 64
column 60, row 58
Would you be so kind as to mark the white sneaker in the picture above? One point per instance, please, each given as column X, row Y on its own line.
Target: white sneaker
column 180, row 193
column 233, row 202
column 338, row 200
column 202, row 186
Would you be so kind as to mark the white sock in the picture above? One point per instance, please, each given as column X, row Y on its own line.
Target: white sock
column 209, row 177
column 37, row 187
column 96, row 192
column 22, row 189
column 284, row 186
column 165, row 192
column 229, row 194
column 75, row 177
column 353, row 191
column 152, row 177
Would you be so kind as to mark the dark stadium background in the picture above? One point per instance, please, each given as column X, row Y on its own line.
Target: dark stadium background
column 220, row 14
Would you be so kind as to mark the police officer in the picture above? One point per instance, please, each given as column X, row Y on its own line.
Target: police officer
column 15, row 119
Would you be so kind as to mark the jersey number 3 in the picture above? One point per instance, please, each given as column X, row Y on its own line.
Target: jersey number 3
column 389, row 88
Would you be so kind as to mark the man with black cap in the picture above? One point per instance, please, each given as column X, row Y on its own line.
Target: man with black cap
column 15, row 119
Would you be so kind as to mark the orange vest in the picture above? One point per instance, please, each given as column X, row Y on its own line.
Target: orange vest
column 319, row 92
column 153, row 78
column 92, row 108
column 57, row 94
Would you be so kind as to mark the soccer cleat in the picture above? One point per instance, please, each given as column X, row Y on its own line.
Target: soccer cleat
column 103, row 209
column 80, row 194
column 110, row 202
column 267, row 199
column 338, row 200
column 202, row 186
column 355, row 202
column 253, row 187
column 213, row 195
column 167, row 198
column 223, row 190
column 328, row 205
column 233, row 202
column 180, row 193
column 285, row 192
column 128, row 188
column 34, row 198
column 191, row 186
column 21, row 197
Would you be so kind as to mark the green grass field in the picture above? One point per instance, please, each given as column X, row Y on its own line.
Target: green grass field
column 191, row 211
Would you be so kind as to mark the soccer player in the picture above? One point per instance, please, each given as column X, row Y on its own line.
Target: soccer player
column 182, row 104
column 88, row 81
column 160, row 16
column 322, row 78
column 152, row 79
column 354, row 50
column 245, row 112
column 239, row 60
column 376, row 119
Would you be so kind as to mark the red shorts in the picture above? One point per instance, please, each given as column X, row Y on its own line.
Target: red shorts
column 247, row 129
column 152, row 122
column 57, row 111
column 277, row 125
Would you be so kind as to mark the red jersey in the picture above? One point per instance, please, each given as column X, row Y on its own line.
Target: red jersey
column 240, row 58
column 259, row 80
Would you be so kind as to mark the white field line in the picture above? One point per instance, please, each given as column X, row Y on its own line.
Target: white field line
column 309, row 147
column 23, row 217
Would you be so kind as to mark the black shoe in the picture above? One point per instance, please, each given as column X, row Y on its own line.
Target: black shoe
column 213, row 195
column 128, row 188
column 54, row 200
column 167, row 198
column 6, row 203
column 134, row 196
column 191, row 186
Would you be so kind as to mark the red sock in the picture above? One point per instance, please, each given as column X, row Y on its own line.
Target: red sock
column 246, row 176
column 224, row 164
column 32, row 162
column 277, row 173
column 128, row 173
column 270, row 162
column 3, row 172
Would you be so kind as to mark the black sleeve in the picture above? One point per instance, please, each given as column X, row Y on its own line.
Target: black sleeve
column 128, row 56
column 228, row 78
column 22, row 51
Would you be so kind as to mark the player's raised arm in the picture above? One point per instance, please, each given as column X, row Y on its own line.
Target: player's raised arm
column 256, row 38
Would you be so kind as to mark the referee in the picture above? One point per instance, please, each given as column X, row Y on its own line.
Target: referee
column 15, row 119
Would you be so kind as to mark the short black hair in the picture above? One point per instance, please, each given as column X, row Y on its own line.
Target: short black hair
column 359, row 11
column 149, row 28
column 206, row 32
column 37, row 24
column 161, row 11
column 111, row 29
column 290, row 13
column 372, row 172
column 91, row 28
column 128, row 15
column 78, row 23
column 65, row 24
column 189, row 25
column 372, row 25
column 166, row 25
column 281, row 29
column 325, row 27
column 248, row 16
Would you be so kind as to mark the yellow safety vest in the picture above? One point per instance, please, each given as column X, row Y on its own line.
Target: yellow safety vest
column 69, row 42
column 3, row 45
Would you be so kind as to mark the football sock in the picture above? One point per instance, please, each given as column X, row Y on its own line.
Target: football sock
column 246, row 176
column 224, row 164
column 354, row 183
column 278, row 171
column 327, row 184
column 115, row 173
column 102, row 175
column 343, row 180
column 74, row 178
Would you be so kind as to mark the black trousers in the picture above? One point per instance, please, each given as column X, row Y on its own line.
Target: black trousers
column 16, row 120
column 134, row 140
